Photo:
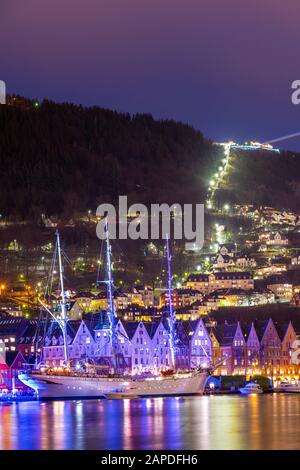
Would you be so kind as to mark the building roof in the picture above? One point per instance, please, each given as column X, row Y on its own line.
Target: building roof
column 197, row 278
column 226, row 333
column 228, row 246
column 232, row 275
column 277, row 279
column 55, row 330
column 187, row 291
column 223, row 275
column 225, row 258
column 103, row 322
column 281, row 329
column 260, row 327
column 233, row 291
column 14, row 325
column 33, row 331
column 11, row 356
column 130, row 327
column 151, row 327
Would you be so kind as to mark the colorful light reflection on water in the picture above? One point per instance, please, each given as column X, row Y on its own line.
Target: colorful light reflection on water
column 215, row 422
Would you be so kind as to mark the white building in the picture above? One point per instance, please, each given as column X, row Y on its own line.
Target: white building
column 200, row 345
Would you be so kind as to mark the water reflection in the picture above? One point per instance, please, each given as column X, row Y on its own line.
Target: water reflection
column 216, row 422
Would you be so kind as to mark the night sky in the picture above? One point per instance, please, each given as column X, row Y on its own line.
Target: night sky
column 224, row 66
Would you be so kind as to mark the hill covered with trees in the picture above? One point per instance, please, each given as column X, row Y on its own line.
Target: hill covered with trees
column 61, row 158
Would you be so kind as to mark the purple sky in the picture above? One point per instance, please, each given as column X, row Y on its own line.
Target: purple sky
column 225, row 66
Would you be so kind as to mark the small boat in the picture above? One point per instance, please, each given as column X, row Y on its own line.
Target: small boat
column 287, row 387
column 251, row 388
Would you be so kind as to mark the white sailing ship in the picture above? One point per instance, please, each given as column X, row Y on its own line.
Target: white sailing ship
column 68, row 383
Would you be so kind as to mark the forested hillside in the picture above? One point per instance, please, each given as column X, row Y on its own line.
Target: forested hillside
column 61, row 158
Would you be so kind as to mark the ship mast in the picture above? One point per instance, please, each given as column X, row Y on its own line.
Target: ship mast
column 61, row 318
column 171, row 316
column 109, row 283
column 63, row 309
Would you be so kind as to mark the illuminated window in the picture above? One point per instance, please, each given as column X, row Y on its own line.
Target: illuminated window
column 12, row 348
column 200, row 333
column 12, row 340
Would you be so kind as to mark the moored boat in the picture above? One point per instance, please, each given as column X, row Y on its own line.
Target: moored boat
column 287, row 387
column 251, row 388
column 71, row 386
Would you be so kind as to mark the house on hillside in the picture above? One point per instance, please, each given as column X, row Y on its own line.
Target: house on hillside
column 223, row 262
column 277, row 239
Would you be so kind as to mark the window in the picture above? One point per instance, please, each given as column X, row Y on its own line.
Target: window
column 12, row 340
column 200, row 333
column 12, row 348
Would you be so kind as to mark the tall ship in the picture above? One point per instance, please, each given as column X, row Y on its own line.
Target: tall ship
column 69, row 382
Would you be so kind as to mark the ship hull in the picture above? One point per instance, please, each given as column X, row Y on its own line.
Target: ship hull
column 62, row 387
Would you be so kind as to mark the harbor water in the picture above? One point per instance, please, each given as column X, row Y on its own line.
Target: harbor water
column 269, row 421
